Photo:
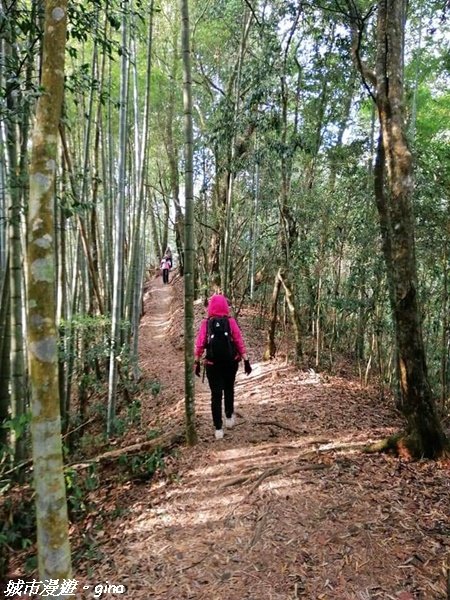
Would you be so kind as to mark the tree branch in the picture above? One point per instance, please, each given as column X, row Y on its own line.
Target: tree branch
column 357, row 24
column 253, row 12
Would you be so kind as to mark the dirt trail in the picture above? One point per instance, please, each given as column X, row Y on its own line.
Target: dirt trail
column 285, row 506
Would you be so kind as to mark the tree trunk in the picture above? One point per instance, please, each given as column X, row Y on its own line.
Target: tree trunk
column 228, row 230
column 394, row 188
column 119, row 237
column 232, row 149
column 172, row 155
column 288, row 226
column 288, row 287
column 17, row 359
column 271, row 348
column 445, row 321
column 90, row 256
column 5, row 347
column 191, row 434
column 254, row 227
column 139, row 254
column 51, row 506
column 157, row 248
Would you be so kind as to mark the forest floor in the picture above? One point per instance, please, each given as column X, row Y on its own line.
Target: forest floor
column 286, row 506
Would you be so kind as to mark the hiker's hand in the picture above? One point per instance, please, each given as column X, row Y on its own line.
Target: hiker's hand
column 197, row 368
column 247, row 367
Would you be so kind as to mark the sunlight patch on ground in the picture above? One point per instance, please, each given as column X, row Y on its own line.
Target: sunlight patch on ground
column 244, row 458
column 203, row 510
column 312, row 378
column 240, row 457
column 209, row 508
column 203, row 506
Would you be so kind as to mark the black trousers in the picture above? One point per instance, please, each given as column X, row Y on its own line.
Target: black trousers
column 221, row 378
column 165, row 275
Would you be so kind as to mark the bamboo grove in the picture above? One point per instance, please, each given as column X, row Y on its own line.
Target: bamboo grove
column 287, row 114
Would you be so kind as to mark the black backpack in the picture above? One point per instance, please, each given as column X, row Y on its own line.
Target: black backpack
column 219, row 344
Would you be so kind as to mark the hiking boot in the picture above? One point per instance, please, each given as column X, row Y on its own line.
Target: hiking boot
column 229, row 423
column 219, row 434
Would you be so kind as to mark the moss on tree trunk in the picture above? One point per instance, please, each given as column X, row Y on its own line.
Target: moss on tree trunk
column 51, row 507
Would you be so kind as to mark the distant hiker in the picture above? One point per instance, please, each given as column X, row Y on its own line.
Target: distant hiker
column 165, row 268
column 221, row 337
column 168, row 256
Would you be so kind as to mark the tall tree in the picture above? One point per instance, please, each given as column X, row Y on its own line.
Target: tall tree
column 17, row 97
column 13, row 102
column 191, row 434
column 393, row 192
column 51, row 507
column 139, row 256
column 119, row 238
column 288, row 229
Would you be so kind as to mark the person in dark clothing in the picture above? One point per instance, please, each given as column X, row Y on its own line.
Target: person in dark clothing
column 221, row 364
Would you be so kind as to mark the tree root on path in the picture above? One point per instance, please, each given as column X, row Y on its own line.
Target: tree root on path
column 289, row 469
column 407, row 446
column 259, row 529
column 166, row 440
column 299, row 463
column 389, row 444
column 282, row 426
